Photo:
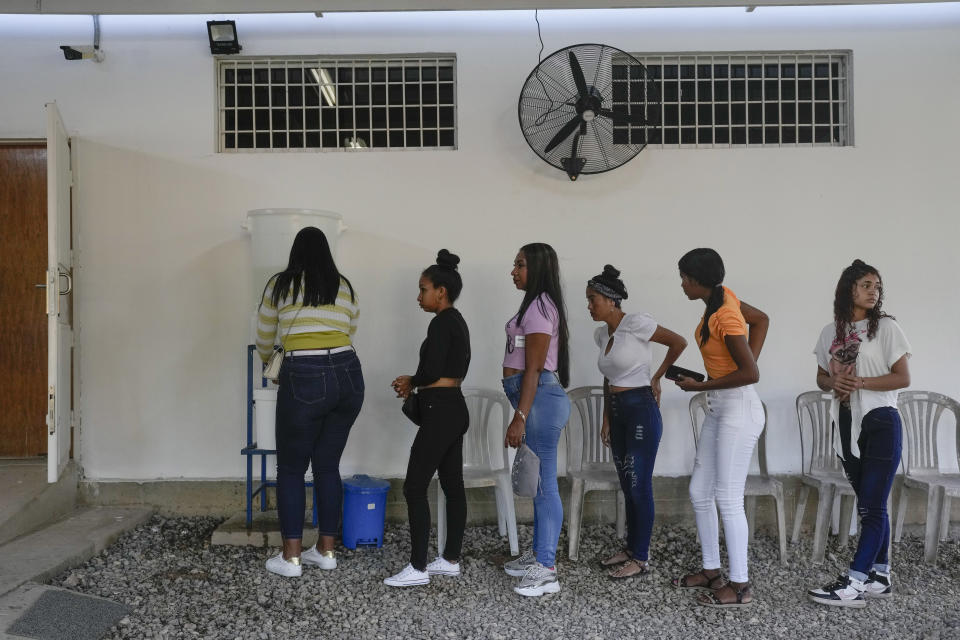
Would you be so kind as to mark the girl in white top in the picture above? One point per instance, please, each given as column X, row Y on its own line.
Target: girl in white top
column 632, row 425
column 862, row 358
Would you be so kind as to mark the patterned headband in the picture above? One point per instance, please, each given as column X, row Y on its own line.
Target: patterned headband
column 604, row 290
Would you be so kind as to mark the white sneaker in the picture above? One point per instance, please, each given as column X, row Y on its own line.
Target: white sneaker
column 845, row 592
column 878, row 585
column 323, row 559
column 442, row 567
column 537, row 581
column 519, row 565
column 409, row 577
column 288, row 568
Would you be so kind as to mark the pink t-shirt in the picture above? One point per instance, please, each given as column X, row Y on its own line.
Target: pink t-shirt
column 541, row 317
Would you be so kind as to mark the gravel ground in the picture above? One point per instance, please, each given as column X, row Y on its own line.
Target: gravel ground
column 178, row 586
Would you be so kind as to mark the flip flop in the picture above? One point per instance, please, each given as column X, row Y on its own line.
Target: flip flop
column 643, row 570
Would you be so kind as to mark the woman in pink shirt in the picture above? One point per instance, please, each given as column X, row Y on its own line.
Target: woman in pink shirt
column 536, row 368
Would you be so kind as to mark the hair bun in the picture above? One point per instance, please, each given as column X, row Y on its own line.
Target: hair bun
column 858, row 263
column 611, row 271
column 447, row 259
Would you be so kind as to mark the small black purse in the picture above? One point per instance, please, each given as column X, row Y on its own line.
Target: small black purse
column 411, row 408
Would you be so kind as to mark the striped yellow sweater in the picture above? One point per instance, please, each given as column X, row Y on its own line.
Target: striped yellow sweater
column 300, row 327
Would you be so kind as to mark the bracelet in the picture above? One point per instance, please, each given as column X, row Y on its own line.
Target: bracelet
column 523, row 416
column 862, row 383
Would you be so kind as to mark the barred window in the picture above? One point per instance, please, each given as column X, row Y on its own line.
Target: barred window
column 336, row 103
column 782, row 98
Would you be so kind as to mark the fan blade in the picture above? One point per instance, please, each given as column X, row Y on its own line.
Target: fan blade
column 624, row 117
column 578, row 75
column 563, row 134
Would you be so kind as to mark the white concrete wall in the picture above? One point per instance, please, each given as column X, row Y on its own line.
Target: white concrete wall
column 164, row 267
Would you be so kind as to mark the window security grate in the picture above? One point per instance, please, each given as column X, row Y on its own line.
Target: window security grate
column 336, row 102
column 742, row 99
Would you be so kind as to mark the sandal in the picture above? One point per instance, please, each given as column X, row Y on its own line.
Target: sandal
column 712, row 582
column 636, row 568
column 618, row 558
column 711, row 599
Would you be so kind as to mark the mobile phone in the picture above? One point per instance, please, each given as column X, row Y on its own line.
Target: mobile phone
column 674, row 372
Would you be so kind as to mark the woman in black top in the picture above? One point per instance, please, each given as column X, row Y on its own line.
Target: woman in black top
column 438, row 447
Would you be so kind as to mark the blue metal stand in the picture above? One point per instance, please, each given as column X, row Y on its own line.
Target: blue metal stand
column 252, row 450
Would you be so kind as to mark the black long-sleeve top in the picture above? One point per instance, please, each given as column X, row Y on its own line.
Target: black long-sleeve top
column 446, row 351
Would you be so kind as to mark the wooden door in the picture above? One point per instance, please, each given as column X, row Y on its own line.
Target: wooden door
column 23, row 319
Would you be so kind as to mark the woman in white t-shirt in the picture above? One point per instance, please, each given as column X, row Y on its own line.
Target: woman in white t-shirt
column 632, row 424
column 862, row 358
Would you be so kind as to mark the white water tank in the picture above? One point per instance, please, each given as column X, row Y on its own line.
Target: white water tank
column 272, row 232
column 264, row 414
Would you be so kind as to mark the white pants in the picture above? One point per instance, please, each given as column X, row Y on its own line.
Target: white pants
column 730, row 430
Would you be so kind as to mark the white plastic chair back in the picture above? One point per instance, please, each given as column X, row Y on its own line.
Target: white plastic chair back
column 698, row 412
column 485, row 407
column 588, row 403
column 921, row 412
column 813, row 408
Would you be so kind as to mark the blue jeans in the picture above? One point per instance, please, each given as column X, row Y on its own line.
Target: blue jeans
column 635, row 430
column 317, row 402
column 871, row 475
column 545, row 422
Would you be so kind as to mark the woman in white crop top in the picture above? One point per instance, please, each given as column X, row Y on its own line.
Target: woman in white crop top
column 632, row 425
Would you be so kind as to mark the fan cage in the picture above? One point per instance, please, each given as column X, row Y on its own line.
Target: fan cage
column 626, row 93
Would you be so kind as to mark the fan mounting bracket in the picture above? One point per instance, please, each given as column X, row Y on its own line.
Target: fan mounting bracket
column 573, row 166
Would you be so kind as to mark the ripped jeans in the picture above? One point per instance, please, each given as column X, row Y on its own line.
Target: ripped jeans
column 872, row 474
column 635, row 430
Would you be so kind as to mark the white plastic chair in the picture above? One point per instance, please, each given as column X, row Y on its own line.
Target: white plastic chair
column 921, row 412
column 593, row 470
column 479, row 469
column 824, row 473
column 757, row 484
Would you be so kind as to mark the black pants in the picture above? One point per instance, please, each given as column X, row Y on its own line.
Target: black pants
column 438, row 448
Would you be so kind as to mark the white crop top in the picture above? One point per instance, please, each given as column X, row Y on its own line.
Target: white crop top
column 628, row 363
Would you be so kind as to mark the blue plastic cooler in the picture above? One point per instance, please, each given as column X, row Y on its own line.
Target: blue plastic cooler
column 364, row 511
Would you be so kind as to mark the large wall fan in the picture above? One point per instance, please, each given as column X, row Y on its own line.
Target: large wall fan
column 588, row 108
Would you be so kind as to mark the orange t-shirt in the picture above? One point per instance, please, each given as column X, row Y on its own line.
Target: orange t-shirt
column 725, row 321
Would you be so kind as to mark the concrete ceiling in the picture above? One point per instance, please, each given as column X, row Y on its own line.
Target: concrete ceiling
column 132, row 7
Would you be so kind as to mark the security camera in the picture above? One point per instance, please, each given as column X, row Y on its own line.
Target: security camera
column 81, row 52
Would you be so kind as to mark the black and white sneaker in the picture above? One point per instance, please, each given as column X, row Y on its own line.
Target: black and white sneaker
column 878, row 585
column 845, row 592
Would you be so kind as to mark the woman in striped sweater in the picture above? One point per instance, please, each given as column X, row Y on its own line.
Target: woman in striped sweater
column 313, row 310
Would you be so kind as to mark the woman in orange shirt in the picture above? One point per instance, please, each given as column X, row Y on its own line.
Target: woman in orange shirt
column 734, row 421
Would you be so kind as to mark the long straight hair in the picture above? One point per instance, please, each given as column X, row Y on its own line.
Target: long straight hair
column 706, row 267
column 311, row 266
column 543, row 276
column 843, row 300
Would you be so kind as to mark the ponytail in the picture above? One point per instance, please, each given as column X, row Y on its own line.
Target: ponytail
column 714, row 302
